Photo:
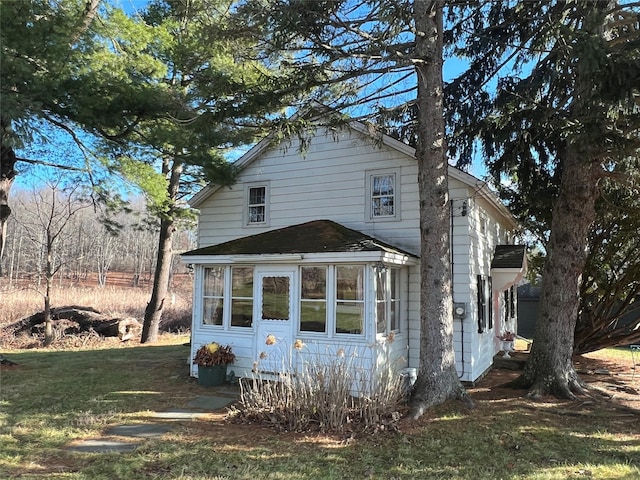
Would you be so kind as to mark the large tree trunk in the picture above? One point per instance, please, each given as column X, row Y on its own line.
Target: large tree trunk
column 549, row 369
column 5, row 211
column 153, row 312
column 437, row 379
column 7, row 175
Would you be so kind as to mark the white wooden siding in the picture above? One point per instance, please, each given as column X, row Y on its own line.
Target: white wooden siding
column 328, row 181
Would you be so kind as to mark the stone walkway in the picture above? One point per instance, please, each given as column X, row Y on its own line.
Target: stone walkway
column 124, row 438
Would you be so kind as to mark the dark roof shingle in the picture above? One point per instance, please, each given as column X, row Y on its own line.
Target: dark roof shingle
column 508, row 256
column 318, row 236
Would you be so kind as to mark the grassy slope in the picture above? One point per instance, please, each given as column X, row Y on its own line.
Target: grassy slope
column 55, row 397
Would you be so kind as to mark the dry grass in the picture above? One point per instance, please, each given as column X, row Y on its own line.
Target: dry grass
column 118, row 300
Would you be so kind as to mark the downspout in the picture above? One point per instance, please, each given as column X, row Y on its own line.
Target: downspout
column 452, row 289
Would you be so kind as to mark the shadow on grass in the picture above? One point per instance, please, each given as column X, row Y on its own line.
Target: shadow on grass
column 119, row 380
column 54, row 397
column 453, row 446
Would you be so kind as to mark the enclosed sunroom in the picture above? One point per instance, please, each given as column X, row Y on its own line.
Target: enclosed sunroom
column 309, row 290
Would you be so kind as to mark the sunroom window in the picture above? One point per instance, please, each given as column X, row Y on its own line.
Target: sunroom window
column 241, row 297
column 387, row 301
column 213, row 296
column 313, row 299
column 350, row 299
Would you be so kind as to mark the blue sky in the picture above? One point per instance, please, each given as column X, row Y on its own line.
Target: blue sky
column 72, row 154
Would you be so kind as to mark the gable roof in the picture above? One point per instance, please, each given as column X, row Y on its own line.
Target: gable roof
column 480, row 187
column 318, row 236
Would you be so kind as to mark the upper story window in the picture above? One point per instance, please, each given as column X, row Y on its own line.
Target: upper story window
column 257, row 204
column 383, row 194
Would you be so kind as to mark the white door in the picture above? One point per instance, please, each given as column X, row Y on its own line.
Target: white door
column 275, row 312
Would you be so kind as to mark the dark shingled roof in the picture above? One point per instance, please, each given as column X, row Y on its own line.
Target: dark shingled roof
column 508, row 256
column 318, row 236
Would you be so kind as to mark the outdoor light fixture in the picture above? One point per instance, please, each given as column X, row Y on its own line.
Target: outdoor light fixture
column 381, row 267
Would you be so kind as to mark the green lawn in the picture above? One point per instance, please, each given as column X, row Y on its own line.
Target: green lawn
column 56, row 397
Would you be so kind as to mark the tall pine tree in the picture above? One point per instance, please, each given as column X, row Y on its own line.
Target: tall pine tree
column 565, row 114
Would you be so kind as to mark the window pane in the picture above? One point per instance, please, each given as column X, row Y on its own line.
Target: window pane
column 382, row 185
column 314, row 283
column 275, row 298
column 349, row 317
column 381, row 317
column 381, row 296
column 256, row 214
column 214, row 282
column 393, row 283
column 350, row 283
column 242, row 282
column 313, row 299
column 257, row 195
column 241, row 312
column 212, row 311
column 382, row 206
column 241, row 297
column 393, row 321
column 395, row 301
column 381, row 277
column 313, row 316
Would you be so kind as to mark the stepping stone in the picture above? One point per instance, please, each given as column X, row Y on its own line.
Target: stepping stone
column 210, row 402
column 148, row 430
column 100, row 445
column 228, row 390
column 178, row 414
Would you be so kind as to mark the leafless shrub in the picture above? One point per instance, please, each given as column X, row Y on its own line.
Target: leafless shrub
column 328, row 393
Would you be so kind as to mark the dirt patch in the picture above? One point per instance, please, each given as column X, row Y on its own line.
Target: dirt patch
column 611, row 382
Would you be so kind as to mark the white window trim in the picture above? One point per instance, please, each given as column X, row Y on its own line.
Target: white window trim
column 387, row 301
column 199, row 300
column 226, row 302
column 369, row 174
column 331, row 306
column 267, row 188
column 328, row 275
column 365, row 304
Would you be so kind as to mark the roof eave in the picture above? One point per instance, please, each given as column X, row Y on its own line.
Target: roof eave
column 301, row 258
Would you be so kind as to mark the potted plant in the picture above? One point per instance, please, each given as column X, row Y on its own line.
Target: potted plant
column 212, row 361
column 507, row 339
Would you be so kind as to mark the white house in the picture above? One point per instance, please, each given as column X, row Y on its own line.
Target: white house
column 320, row 245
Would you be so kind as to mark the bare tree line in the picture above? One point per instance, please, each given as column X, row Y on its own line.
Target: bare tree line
column 87, row 248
